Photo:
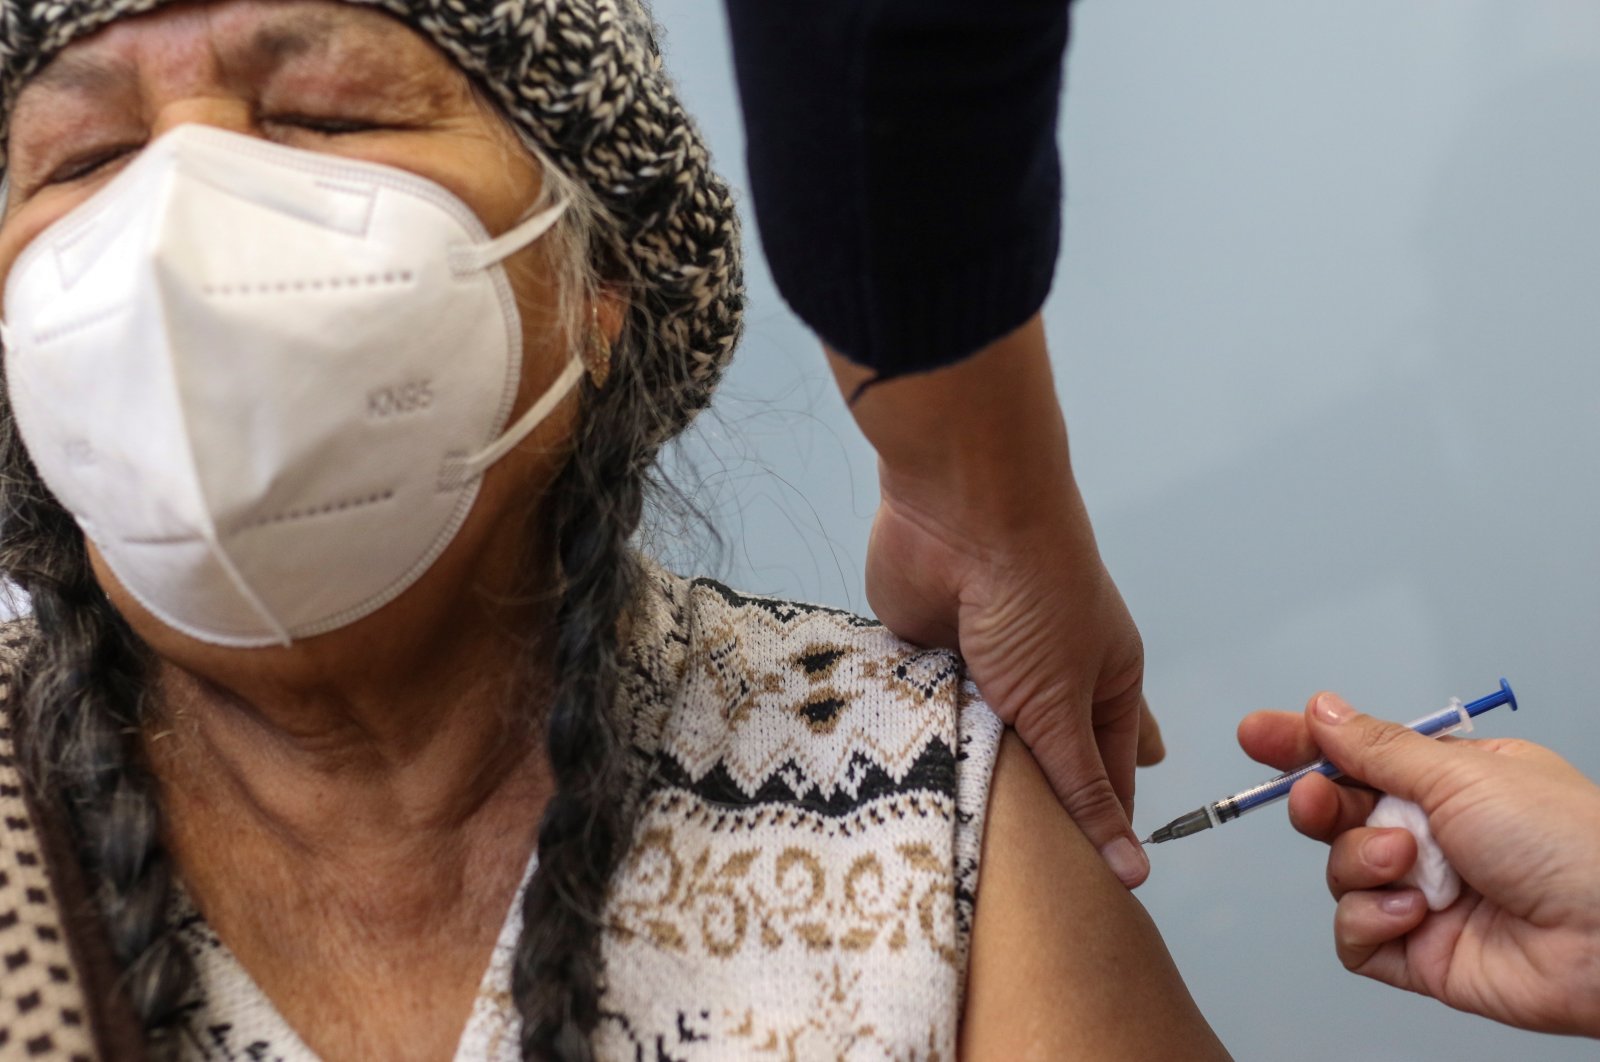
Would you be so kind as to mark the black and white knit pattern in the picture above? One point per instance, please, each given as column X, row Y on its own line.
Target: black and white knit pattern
column 584, row 80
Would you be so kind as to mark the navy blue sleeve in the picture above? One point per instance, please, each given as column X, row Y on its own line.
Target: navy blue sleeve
column 904, row 166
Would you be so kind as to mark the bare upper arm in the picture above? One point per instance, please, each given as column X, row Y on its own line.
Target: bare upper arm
column 1065, row 962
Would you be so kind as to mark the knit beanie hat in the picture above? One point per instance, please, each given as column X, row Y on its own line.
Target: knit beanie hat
column 583, row 80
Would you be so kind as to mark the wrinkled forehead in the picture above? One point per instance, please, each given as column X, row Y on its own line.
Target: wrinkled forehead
column 70, row 45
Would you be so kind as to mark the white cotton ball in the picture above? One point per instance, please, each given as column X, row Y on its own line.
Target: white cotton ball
column 1432, row 873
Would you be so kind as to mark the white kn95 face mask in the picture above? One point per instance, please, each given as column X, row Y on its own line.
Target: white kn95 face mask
column 267, row 381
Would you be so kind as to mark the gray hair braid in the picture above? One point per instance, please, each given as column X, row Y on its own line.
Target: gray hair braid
column 556, row 971
column 594, row 508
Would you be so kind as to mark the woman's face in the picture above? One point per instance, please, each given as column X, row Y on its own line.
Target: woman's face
column 323, row 76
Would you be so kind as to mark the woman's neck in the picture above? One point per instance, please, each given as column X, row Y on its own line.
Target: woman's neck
column 358, row 762
column 356, row 833
column 395, row 733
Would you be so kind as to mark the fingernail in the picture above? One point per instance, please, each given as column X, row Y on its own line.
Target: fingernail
column 1330, row 708
column 1399, row 903
column 1380, row 851
column 1126, row 860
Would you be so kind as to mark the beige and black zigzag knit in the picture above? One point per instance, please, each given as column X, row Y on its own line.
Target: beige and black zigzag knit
column 801, row 880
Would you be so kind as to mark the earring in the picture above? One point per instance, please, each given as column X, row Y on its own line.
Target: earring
column 597, row 352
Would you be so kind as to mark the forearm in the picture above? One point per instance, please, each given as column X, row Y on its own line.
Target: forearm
column 982, row 544
column 980, row 447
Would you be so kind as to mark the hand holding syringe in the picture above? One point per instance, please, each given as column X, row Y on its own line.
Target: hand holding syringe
column 1520, row 825
column 1450, row 719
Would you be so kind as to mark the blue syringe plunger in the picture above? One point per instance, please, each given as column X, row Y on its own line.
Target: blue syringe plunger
column 1494, row 700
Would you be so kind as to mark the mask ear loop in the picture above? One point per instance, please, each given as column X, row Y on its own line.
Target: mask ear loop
column 459, row 470
column 471, row 258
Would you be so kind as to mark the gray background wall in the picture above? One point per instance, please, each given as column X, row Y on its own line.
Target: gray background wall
column 1326, row 331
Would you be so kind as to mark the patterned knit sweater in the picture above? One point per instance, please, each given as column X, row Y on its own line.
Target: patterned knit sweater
column 811, row 794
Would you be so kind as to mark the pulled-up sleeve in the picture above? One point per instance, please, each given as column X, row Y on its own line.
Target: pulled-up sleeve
column 904, row 166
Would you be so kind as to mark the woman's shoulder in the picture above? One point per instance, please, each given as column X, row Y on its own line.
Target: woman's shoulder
column 806, row 856
column 782, row 702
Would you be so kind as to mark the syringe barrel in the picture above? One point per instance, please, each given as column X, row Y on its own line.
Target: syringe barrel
column 1447, row 720
column 1450, row 719
column 1261, row 795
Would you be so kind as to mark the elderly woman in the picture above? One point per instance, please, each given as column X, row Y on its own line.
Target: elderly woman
column 340, row 341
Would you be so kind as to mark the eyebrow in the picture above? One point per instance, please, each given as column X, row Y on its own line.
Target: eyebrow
column 85, row 75
column 294, row 37
column 279, row 40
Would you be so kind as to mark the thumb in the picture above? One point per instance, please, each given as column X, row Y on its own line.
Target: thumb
column 1070, row 760
column 1382, row 754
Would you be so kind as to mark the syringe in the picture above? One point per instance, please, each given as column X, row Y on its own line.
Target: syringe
column 1448, row 720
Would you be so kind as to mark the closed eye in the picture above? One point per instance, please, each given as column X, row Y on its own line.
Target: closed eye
column 322, row 126
column 89, row 163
